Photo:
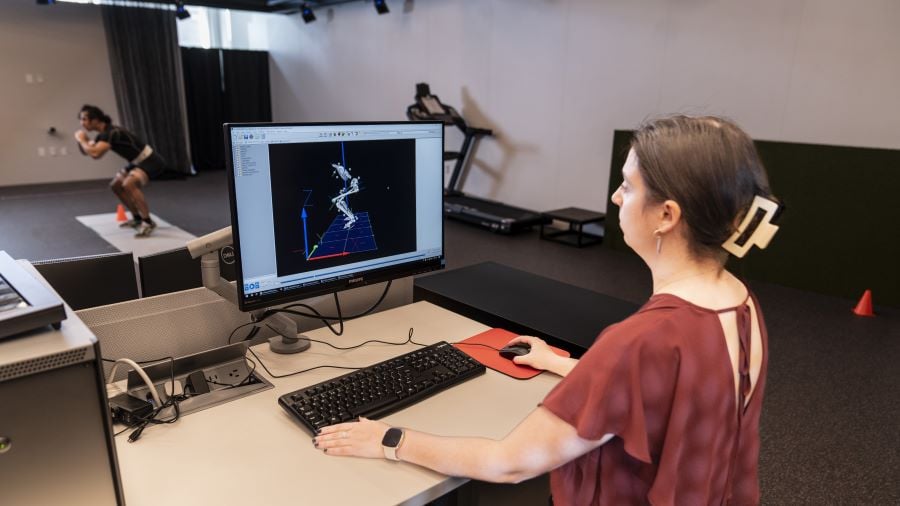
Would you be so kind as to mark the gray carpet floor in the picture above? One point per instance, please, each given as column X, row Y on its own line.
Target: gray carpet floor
column 831, row 419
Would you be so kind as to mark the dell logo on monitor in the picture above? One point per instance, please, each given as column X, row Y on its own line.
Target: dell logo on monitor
column 227, row 254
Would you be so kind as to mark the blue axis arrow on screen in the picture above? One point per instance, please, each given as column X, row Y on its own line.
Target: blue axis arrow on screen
column 305, row 240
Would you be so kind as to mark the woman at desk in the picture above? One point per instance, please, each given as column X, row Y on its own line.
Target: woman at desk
column 664, row 408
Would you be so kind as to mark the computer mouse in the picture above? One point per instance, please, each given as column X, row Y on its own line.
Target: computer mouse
column 515, row 350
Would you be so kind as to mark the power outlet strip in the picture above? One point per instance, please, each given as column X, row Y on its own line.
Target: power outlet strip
column 227, row 374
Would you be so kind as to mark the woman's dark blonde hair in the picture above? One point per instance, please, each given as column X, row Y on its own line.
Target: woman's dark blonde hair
column 710, row 167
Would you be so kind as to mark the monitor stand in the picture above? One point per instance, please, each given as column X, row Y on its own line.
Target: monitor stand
column 288, row 339
column 286, row 342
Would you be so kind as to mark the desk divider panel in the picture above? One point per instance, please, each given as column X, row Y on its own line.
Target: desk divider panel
column 183, row 323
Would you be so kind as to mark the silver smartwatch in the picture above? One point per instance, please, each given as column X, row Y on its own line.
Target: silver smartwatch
column 391, row 442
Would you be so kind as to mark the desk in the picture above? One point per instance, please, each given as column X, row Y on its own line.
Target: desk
column 564, row 315
column 250, row 451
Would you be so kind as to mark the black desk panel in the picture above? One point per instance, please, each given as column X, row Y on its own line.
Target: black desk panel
column 499, row 296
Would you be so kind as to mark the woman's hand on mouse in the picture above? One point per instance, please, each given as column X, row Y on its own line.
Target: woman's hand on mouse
column 353, row 439
column 540, row 356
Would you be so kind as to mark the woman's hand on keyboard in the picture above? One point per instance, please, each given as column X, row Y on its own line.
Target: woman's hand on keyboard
column 354, row 439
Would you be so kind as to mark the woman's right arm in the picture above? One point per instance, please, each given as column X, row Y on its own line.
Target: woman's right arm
column 542, row 357
column 540, row 443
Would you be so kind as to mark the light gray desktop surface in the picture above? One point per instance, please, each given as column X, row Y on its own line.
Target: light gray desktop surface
column 250, row 451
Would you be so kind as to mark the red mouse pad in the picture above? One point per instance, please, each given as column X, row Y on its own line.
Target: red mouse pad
column 497, row 338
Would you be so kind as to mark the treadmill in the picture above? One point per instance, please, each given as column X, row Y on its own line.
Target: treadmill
column 489, row 214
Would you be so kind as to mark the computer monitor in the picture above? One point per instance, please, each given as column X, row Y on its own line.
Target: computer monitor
column 318, row 208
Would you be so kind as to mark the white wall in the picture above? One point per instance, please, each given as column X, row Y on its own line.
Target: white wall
column 554, row 78
column 65, row 45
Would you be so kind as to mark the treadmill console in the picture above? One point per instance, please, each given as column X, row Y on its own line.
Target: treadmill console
column 429, row 107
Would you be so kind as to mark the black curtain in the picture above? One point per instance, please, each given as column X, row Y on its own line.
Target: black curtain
column 146, row 70
column 222, row 86
column 205, row 106
column 247, row 96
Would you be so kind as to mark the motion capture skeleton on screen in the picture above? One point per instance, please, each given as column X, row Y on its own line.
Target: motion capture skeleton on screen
column 341, row 199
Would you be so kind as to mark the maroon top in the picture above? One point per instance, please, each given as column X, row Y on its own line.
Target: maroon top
column 662, row 382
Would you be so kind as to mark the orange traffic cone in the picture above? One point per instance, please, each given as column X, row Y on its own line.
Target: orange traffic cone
column 120, row 214
column 864, row 306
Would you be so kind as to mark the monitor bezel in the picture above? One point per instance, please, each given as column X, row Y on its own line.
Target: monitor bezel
column 369, row 277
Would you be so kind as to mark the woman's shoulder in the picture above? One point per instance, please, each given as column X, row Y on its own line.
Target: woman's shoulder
column 662, row 322
column 660, row 311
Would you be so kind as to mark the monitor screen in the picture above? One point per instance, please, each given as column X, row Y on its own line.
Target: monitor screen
column 317, row 208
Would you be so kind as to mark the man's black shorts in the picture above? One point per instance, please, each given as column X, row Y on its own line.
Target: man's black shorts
column 154, row 166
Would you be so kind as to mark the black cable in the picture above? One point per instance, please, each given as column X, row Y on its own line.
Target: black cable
column 463, row 343
column 320, row 316
column 263, row 364
column 339, row 317
column 171, row 401
column 141, row 362
column 313, row 313
column 240, row 327
column 239, row 383
column 408, row 341
column 250, row 374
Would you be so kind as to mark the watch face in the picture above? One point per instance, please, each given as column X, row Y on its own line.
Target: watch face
column 392, row 437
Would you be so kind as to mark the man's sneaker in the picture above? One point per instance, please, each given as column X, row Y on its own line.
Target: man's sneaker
column 145, row 229
column 132, row 223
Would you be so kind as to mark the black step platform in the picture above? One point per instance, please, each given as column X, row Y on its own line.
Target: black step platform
column 574, row 235
column 500, row 296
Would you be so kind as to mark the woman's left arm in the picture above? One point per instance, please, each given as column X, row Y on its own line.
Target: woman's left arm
column 538, row 444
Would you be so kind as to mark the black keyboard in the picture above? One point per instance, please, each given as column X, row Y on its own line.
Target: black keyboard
column 381, row 389
column 9, row 299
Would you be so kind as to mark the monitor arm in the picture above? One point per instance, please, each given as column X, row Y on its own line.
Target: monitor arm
column 207, row 248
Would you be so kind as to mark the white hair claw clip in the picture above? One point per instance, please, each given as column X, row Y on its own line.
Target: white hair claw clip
column 760, row 215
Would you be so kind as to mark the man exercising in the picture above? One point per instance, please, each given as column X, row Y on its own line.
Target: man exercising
column 143, row 163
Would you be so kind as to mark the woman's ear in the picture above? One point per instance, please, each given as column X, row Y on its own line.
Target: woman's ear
column 669, row 216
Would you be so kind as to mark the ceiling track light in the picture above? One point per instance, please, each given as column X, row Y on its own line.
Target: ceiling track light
column 180, row 11
column 308, row 15
column 381, row 7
